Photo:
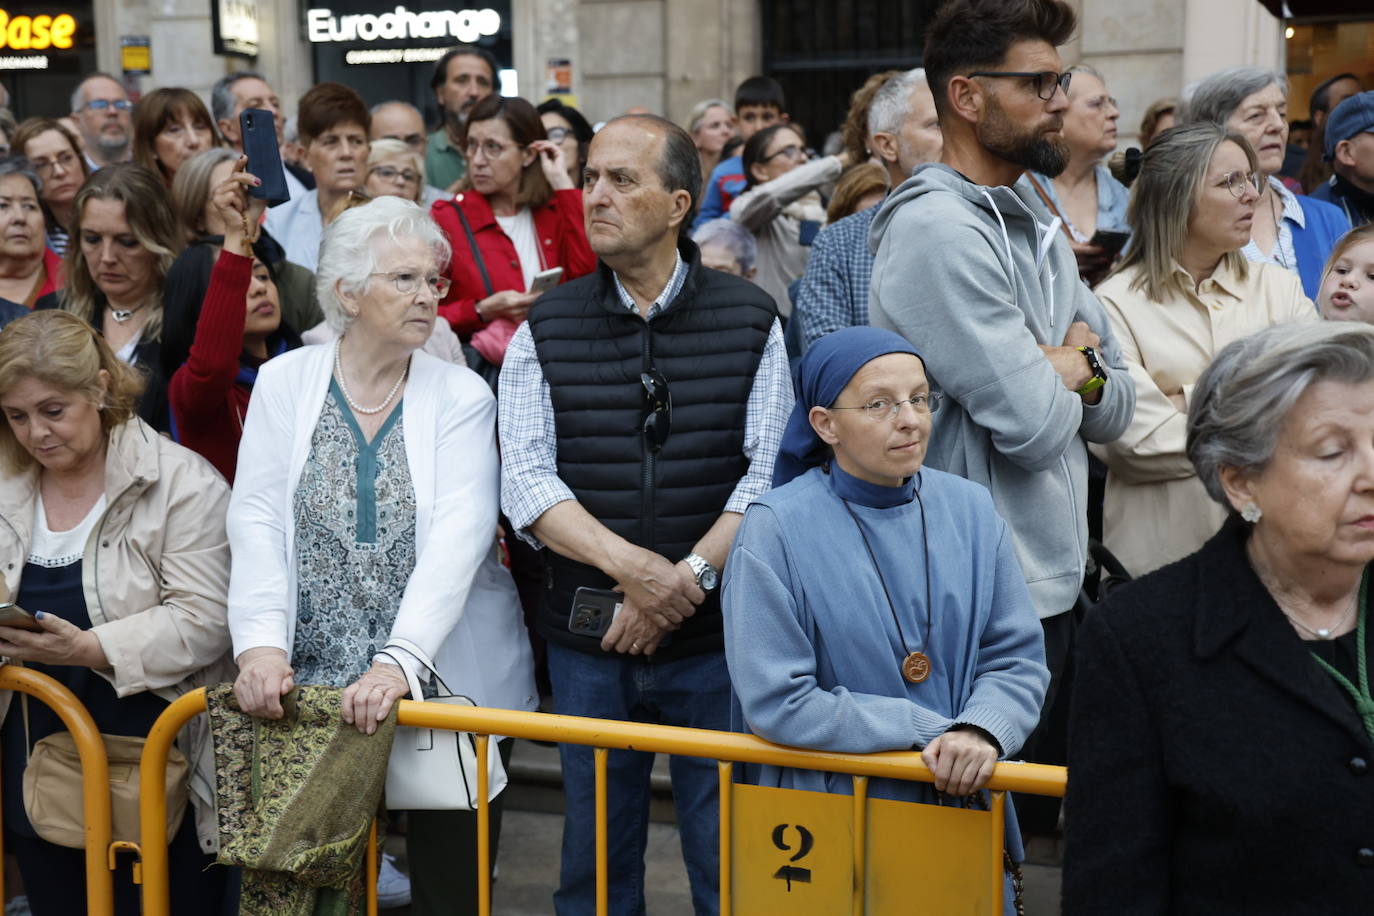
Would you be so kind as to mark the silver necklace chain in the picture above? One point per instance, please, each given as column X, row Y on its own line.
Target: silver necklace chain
column 1324, row 632
column 343, row 385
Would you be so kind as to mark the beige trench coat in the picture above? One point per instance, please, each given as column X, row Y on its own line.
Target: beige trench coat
column 155, row 575
column 1156, row 510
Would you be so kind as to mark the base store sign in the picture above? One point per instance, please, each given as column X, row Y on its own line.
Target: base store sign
column 36, row 33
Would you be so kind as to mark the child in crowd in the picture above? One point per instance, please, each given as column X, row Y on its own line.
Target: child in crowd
column 1347, row 290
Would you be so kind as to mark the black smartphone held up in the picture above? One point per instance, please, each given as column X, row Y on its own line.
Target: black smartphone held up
column 12, row 615
column 1110, row 241
column 259, row 130
column 593, row 610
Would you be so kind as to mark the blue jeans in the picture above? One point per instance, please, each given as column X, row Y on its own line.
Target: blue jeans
column 692, row 691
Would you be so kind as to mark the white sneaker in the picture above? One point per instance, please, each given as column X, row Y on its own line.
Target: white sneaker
column 393, row 886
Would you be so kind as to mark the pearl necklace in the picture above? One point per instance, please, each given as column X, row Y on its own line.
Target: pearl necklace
column 1324, row 632
column 343, row 385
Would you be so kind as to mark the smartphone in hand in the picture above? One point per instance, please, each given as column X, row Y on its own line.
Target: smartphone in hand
column 546, row 280
column 260, row 145
column 12, row 615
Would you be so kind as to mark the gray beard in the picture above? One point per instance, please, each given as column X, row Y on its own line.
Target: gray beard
column 112, row 151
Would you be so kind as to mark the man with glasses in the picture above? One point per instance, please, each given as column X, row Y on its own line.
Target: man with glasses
column 641, row 410
column 972, row 268
column 104, row 116
column 243, row 89
column 397, row 120
column 462, row 77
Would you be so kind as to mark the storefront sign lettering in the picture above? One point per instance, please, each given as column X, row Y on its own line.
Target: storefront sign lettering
column 35, row 33
column 463, row 25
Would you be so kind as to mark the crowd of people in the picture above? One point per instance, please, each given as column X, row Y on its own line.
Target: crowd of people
column 689, row 424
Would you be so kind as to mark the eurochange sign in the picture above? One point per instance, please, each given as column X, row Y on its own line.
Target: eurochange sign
column 36, row 33
column 466, row 26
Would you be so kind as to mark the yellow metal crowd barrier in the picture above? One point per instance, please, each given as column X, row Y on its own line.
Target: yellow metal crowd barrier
column 854, row 837
column 95, row 777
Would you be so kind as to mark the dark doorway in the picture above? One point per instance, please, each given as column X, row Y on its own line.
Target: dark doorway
column 822, row 50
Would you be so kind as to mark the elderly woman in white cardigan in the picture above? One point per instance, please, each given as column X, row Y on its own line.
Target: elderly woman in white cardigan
column 364, row 515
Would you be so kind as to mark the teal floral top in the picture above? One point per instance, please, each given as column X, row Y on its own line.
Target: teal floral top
column 355, row 544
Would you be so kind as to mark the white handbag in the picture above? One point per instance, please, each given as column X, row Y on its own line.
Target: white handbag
column 435, row 769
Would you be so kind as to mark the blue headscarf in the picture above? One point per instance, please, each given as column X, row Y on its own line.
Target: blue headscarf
column 819, row 377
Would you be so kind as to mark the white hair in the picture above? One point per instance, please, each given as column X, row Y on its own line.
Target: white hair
column 891, row 103
column 348, row 250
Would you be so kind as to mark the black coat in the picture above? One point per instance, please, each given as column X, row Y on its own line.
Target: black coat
column 1214, row 767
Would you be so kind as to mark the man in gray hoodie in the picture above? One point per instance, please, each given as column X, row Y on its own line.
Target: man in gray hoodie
column 971, row 268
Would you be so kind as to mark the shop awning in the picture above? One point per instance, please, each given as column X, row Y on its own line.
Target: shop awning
column 1302, row 9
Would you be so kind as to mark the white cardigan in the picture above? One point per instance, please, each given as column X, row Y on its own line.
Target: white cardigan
column 460, row 604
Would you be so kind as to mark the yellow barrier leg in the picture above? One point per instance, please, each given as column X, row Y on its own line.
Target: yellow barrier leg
column 727, row 784
column 603, row 883
column 152, row 803
column 860, row 842
column 95, row 776
column 483, row 826
column 998, row 810
column 373, row 872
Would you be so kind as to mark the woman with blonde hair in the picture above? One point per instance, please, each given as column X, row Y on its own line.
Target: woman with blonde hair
column 711, row 124
column 82, row 475
column 395, row 169
column 116, row 270
column 1183, row 292
column 189, row 277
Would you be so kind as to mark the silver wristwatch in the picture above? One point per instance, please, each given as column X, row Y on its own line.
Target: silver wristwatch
column 707, row 577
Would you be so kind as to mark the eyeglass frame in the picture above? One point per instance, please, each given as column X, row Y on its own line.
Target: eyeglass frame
column 409, row 175
column 102, row 104
column 931, row 399
column 657, row 402
column 565, row 132
column 1061, row 80
column 1253, row 179
column 44, row 166
column 471, row 147
column 802, row 154
column 439, row 286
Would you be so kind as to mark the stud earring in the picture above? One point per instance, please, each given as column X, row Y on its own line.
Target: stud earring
column 1251, row 513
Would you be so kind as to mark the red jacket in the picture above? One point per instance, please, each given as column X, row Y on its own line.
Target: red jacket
column 562, row 237
column 207, row 403
column 52, row 268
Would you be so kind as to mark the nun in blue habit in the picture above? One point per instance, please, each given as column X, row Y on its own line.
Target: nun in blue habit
column 871, row 604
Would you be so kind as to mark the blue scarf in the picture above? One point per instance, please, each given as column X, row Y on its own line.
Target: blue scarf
column 819, row 377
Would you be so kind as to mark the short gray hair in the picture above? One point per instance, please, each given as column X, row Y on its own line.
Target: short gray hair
column 727, row 233
column 348, row 255
column 18, row 165
column 1242, row 399
column 79, row 93
column 890, row 104
column 1218, row 96
column 222, row 93
column 391, row 102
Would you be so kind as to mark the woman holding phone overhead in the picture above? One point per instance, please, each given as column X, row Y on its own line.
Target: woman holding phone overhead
column 517, row 214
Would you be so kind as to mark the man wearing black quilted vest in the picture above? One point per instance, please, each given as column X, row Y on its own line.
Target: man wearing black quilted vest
column 641, row 410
